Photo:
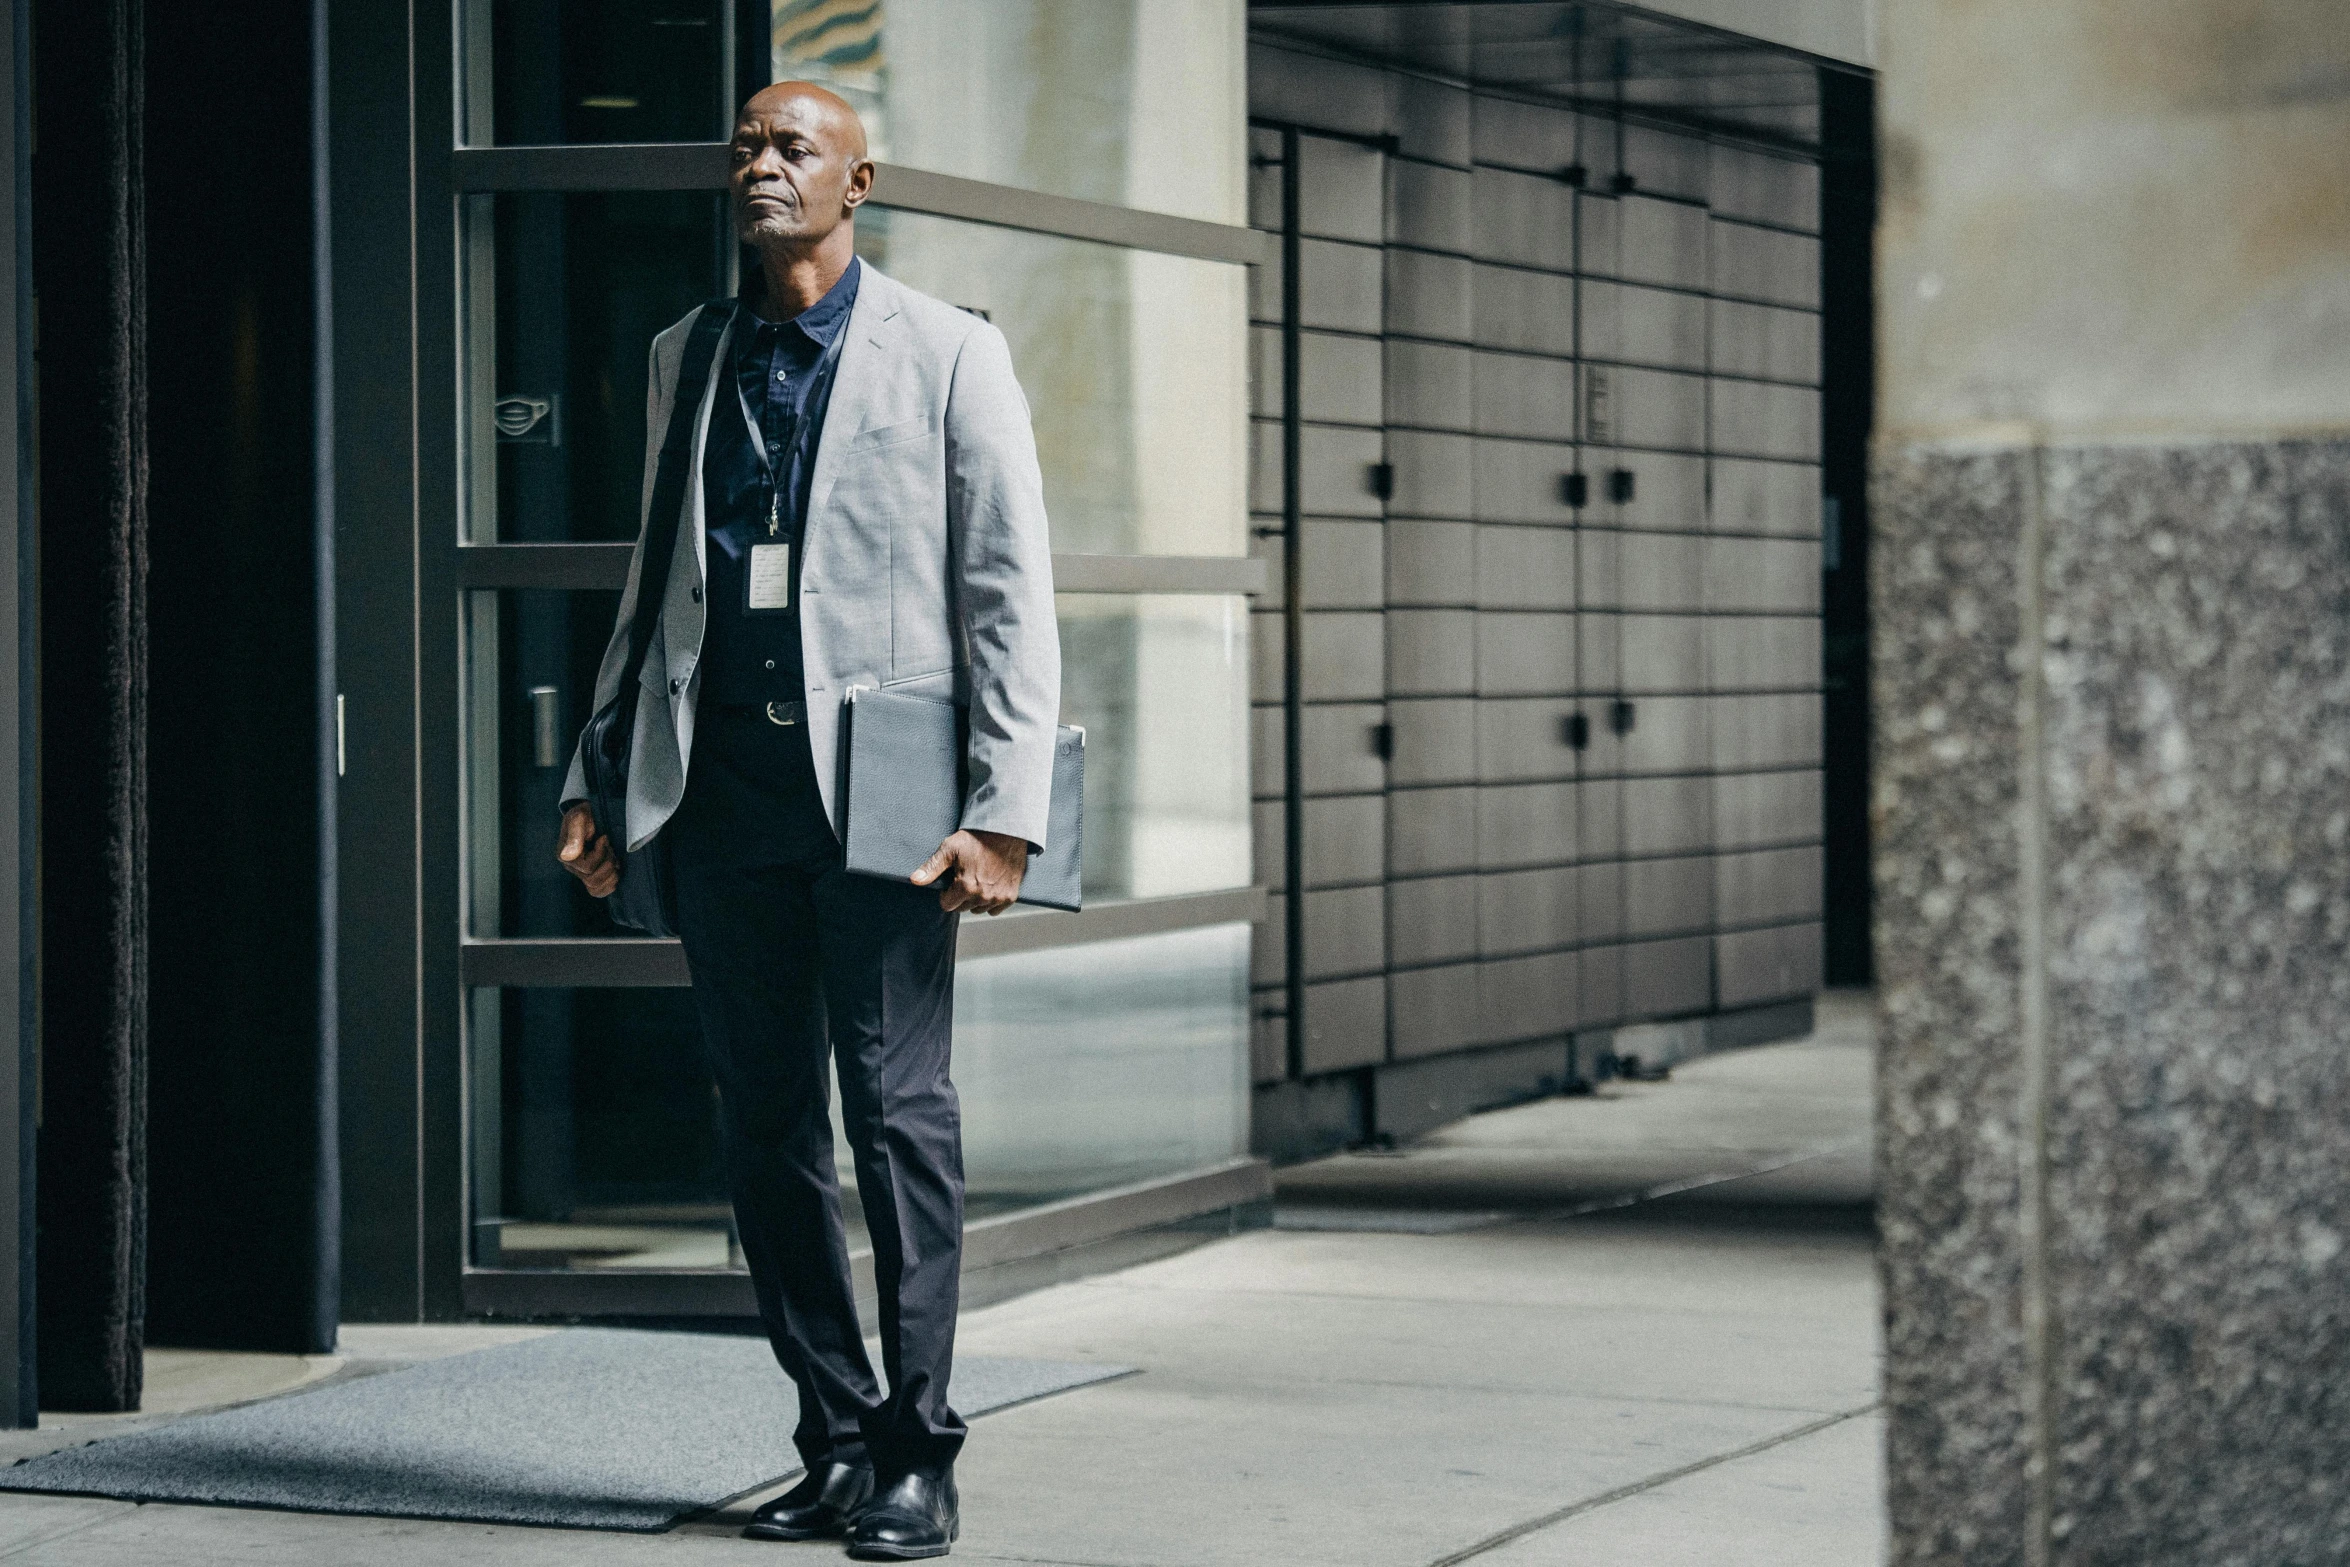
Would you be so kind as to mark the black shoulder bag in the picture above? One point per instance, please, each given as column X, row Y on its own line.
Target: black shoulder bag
column 646, row 898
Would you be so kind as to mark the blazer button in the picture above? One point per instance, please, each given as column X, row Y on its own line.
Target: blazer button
column 697, row 595
column 675, row 686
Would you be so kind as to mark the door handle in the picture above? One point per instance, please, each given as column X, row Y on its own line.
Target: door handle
column 546, row 723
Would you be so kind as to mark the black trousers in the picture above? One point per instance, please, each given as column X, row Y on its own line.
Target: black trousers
column 791, row 954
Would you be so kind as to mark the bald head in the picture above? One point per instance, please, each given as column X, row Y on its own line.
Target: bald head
column 820, row 104
column 799, row 169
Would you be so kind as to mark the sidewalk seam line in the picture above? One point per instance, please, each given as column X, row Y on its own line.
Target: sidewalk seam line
column 1694, row 1183
column 1452, row 1300
column 1515, row 1532
column 1496, row 1389
column 23, row 1546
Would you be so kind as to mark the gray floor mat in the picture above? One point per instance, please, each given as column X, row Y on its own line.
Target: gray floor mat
column 596, row 1428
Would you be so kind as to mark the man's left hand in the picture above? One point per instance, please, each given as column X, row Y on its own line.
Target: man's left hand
column 981, row 871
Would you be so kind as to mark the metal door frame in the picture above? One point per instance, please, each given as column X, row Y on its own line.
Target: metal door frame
column 402, row 573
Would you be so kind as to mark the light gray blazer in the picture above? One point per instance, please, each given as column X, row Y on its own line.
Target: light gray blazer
column 927, row 567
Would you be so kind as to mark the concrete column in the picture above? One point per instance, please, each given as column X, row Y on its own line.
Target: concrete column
column 2112, row 794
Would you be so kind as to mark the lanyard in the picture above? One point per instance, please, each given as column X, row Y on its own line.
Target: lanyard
column 798, row 431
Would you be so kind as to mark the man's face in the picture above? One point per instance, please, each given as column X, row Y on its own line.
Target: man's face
column 799, row 166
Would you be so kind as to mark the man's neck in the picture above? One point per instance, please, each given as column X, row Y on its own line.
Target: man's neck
column 798, row 278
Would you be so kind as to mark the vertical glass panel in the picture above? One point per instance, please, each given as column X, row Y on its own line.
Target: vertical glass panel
column 1136, row 370
column 1159, row 684
column 565, row 293
column 547, row 71
column 595, row 1133
column 1086, row 1067
column 1138, row 102
column 530, row 673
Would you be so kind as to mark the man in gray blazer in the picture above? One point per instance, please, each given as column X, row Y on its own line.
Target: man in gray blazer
column 863, row 507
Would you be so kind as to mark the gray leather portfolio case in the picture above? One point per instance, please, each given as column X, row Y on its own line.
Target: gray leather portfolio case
column 904, row 786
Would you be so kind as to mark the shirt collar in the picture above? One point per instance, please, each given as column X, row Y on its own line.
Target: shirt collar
column 821, row 321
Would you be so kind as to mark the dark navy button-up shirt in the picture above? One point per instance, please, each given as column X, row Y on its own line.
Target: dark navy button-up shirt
column 765, row 422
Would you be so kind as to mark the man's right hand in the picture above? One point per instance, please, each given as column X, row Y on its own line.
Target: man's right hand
column 583, row 852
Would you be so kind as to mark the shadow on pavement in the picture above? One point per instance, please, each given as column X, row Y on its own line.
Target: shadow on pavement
column 1773, row 1137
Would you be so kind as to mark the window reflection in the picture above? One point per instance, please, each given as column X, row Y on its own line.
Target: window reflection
column 582, row 283
column 605, row 71
column 1138, row 102
column 595, row 1132
column 1085, row 1067
column 1135, row 366
column 530, row 665
column 1158, row 683
column 596, row 1142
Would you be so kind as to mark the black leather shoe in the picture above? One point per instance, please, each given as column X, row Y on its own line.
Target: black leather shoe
column 818, row 1508
column 909, row 1519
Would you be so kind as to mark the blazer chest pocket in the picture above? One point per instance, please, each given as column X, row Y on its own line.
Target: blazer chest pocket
column 875, row 437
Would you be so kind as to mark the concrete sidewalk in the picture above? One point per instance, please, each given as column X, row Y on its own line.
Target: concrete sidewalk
column 1492, row 1345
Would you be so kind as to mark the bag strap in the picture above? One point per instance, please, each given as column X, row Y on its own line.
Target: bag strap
column 693, row 378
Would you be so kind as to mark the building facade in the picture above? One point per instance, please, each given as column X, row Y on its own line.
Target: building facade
column 1556, row 434
column 1430, row 406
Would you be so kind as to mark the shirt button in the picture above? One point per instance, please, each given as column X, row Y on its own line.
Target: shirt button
column 771, row 663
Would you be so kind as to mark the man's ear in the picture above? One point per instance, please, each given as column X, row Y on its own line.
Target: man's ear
column 854, row 196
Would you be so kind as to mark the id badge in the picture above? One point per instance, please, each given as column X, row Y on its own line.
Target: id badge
column 767, row 584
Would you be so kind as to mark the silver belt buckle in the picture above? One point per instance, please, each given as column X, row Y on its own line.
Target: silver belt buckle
column 786, row 713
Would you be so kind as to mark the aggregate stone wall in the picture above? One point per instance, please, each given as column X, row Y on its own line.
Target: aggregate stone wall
column 2113, row 796
column 2112, row 790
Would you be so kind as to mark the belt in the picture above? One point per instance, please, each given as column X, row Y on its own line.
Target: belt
column 774, row 712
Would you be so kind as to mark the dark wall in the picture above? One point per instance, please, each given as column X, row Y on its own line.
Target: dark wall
column 242, row 1214
column 89, row 393
column 186, row 1175
column 1848, row 216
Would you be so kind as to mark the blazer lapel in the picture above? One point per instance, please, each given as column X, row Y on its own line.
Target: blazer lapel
column 854, row 380
column 721, row 377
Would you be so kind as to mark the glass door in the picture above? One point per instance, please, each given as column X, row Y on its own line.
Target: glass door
column 1093, row 1051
